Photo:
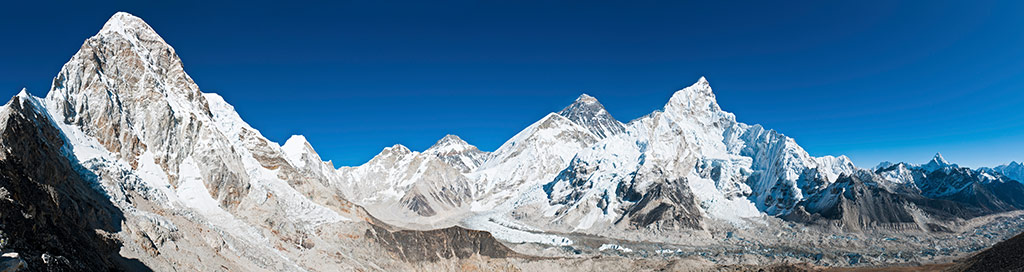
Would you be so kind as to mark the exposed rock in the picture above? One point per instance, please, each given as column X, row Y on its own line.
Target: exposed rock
column 1004, row 256
column 589, row 113
column 439, row 244
column 52, row 215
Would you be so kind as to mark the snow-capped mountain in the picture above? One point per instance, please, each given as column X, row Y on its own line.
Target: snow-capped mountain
column 1013, row 170
column 126, row 164
column 529, row 159
column 977, row 191
column 407, row 187
column 589, row 113
column 125, row 134
column 691, row 156
column 458, row 153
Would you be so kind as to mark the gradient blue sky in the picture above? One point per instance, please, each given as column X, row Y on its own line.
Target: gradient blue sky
column 875, row 80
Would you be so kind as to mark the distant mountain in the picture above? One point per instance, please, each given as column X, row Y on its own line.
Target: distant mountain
column 589, row 113
column 458, row 153
column 1013, row 170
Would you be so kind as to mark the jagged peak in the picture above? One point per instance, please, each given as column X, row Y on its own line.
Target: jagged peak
column 702, row 81
column 586, row 111
column 295, row 142
column 449, row 144
column 397, row 148
column 25, row 97
column 584, row 104
column 24, row 93
column 937, row 162
column 938, row 159
column 127, row 25
column 585, row 98
column 696, row 96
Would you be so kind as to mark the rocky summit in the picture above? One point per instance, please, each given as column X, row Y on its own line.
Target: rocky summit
column 126, row 164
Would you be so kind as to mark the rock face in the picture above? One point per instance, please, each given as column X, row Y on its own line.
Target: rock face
column 51, row 216
column 126, row 165
column 975, row 192
column 128, row 89
column 589, row 113
column 439, row 244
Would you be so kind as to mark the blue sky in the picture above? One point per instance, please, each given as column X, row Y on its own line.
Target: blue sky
column 875, row 80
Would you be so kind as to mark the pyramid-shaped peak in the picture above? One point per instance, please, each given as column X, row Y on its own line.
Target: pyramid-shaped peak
column 23, row 93
column 584, row 104
column 450, row 144
column 451, row 138
column 589, row 113
column 697, row 97
column 585, row 98
column 938, row 159
column 937, row 162
column 123, row 22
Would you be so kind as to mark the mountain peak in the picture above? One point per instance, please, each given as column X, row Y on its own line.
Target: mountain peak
column 126, row 23
column 939, row 159
column 695, row 101
column 449, row 144
column 702, row 81
column 588, row 112
column 937, row 162
column 585, row 98
column 457, row 153
column 23, row 93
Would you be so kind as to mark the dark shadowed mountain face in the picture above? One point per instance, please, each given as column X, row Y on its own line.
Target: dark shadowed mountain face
column 439, row 244
column 975, row 192
column 51, row 216
column 589, row 113
column 890, row 197
column 1004, row 256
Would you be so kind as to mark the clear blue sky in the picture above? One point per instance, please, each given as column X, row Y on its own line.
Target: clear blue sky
column 877, row 80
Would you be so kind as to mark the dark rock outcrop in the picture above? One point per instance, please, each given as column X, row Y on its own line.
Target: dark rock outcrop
column 51, row 215
column 1005, row 256
column 438, row 244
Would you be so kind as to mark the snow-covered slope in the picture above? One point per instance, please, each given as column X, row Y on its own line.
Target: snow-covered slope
column 1013, row 170
column 406, row 187
column 689, row 161
column 529, row 159
column 194, row 181
column 458, row 153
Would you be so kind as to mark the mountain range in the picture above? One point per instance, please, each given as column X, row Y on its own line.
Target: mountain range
column 125, row 164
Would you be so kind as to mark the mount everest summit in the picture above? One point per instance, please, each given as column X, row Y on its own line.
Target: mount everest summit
column 125, row 164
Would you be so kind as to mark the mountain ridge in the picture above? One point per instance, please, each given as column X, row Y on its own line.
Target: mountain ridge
column 192, row 186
